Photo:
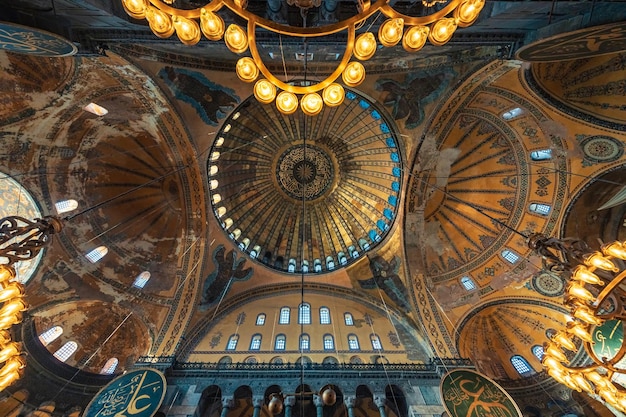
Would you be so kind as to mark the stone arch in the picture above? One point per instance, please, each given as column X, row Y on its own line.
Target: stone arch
column 396, row 400
column 210, row 402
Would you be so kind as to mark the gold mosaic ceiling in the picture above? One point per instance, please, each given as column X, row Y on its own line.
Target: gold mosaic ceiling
column 306, row 194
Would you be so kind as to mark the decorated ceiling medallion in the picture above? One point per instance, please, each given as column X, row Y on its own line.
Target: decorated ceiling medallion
column 306, row 193
column 24, row 40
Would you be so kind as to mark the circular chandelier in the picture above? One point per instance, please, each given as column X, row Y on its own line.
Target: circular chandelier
column 190, row 24
column 596, row 298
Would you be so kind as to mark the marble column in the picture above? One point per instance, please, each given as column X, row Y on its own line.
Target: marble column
column 319, row 405
column 380, row 403
column 290, row 401
column 257, row 403
column 227, row 404
column 350, row 402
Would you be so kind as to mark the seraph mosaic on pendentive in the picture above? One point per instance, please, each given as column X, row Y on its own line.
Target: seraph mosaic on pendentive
column 408, row 99
column 210, row 100
column 228, row 269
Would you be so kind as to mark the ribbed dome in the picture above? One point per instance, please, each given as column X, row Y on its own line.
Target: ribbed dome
column 337, row 174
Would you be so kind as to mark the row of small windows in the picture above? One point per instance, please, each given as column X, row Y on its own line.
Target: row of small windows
column 304, row 316
column 280, row 342
column 68, row 349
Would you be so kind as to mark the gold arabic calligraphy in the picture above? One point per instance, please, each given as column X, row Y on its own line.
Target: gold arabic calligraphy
column 130, row 398
column 476, row 398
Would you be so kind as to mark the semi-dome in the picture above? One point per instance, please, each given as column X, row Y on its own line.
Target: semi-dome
column 331, row 181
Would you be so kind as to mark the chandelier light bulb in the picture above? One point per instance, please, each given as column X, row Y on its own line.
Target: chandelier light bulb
column 582, row 383
column 135, row 8
column 390, row 32
column 552, row 350
column 264, row 91
column 286, row 102
column 160, row 22
column 581, row 273
column 615, row 249
column 7, row 273
column 442, row 31
column 577, row 291
column 597, row 260
column 187, row 30
column 333, row 95
column 212, row 25
column 576, row 329
column 247, row 70
column 12, row 365
column 236, row 39
column 561, row 339
column 415, row 38
column 585, row 314
column 353, row 74
column 311, row 104
column 467, row 12
column 10, row 350
column 365, row 46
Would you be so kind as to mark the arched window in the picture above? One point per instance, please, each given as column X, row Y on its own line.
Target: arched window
column 244, row 244
column 217, row 198
column 96, row 254
column 255, row 251
column 66, row 351
column 213, row 170
column 260, row 319
column 213, row 184
column 109, row 367
column 375, row 342
column 347, row 317
column 65, row 206
column 540, row 208
column 284, row 315
column 342, row 258
column 305, row 342
column 305, row 266
column 538, row 352
column 541, row 155
column 50, row 335
column 512, row 113
column 324, row 315
column 521, row 365
column 280, row 342
column 232, row 342
column 221, row 211
column 330, row 263
column 364, row 244
column 304, row 314
column 510, row 256
column 141, row 279
column 291, row 266
column 353, row 342
column 255, row 343
column 329, row 342
column 317, row 265
column 353, row 252
column 468, row 283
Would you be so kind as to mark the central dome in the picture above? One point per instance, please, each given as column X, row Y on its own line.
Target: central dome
column 306, row 194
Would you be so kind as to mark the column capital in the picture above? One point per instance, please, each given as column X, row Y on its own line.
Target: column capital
column 228, row 402
column 258, row 401
column 350, row 401
column 290, row 401
column 317, row 400
column 380, row 401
